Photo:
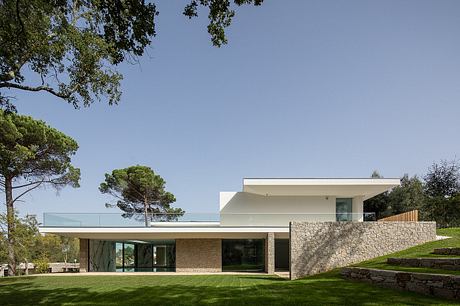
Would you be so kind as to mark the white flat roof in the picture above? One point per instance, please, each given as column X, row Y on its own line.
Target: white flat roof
column 339, row 187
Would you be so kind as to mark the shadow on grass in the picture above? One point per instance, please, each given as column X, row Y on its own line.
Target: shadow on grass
column 327, row 288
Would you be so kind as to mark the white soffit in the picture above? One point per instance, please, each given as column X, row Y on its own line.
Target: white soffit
column 338, row 187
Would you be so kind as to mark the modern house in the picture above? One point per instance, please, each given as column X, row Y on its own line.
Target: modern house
column 257, row 229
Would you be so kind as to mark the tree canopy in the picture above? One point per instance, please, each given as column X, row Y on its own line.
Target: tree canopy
column 138, row 191
column 32, row 154
column 72, row 47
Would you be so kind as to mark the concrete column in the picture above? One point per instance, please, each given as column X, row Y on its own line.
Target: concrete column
column 270, row 253
column 84, row 243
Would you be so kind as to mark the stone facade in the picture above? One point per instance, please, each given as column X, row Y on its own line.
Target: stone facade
column 198, row 255
column 440, row 285
column 434, row 263
column 270, row 253
column 83, row 255
column 321, row 246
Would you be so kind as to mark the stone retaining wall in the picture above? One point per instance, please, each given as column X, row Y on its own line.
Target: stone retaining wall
column 434, row 263
column 447, row 251
column 321, row 246
column 440, row 285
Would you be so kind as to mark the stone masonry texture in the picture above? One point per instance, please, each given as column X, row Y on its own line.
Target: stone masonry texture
column 270, row 253
column 434, row 263
column 440, row 285
column 317, row 247
column 198, row 255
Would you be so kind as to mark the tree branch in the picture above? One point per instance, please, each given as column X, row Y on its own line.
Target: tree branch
column 36, row 88
column 26, row 191
column 28, row 184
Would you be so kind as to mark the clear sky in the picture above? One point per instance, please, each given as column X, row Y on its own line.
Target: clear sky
column 303, row 89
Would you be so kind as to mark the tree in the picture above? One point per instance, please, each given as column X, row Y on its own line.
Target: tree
column 32, row 154
column 442, row 189
column 138, row 190
column 72, row 47
column 379, row 203
column 409, row 196
column 27, row 239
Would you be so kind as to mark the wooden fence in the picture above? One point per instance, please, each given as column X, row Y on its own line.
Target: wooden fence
column 407, row 216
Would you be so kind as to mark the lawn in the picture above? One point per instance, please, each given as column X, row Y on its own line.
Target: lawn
column 324, row 289
column 423, row 250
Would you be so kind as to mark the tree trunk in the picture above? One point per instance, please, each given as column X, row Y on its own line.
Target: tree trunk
column 145, row 214
column 27, row 266
column 11, row 225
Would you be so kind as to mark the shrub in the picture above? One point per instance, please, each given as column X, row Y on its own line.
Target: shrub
column 42, row 265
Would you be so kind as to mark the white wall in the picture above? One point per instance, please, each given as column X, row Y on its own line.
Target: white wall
column 247, row 209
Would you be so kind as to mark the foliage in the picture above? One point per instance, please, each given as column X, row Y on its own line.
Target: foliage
column 72, row 47
column 437, row 197
column 442, row 189
column 42, row 265
column 32, row 154
column 31, row 245
column 138, row 190
column 378, row 204
column 409, row 196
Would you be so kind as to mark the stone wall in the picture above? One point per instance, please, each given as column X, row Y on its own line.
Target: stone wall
column 440, row 285
column 434, row 263
column 198, row 255
column 83, row 255
column 321, row 246
column 270, row 253
column 447, row 251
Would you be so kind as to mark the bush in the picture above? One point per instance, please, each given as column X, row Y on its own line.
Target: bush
column 42, row 265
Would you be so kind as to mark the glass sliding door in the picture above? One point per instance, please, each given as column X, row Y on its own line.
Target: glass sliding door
column 343, row 209
column 145, row 256
column 243, row 255
column 129, row 257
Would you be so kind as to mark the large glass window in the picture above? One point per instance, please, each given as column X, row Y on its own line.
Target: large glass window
column 343, row 208
column 145, row 256
column 281, row 254
column 243, row 255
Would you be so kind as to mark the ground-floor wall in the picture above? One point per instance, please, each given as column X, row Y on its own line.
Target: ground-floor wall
column 317, row 247
column 198, row 255
column 244, row 253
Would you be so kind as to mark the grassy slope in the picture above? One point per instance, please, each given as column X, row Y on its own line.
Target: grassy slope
column 323, row 289
column 423, row 250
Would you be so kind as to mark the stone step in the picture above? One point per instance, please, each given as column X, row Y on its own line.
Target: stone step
column 439, row 285
column 446, row 251
column 434, row 263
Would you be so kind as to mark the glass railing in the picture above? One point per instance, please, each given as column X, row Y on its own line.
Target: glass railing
column 225, row 219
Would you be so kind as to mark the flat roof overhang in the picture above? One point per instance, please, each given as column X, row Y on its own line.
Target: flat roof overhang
column 151, row 233
column 339, row 187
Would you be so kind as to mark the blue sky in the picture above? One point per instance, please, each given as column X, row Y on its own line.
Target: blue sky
column 303, row 89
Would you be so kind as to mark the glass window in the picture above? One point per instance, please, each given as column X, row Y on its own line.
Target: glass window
column 119, row 256
column 343, row 209
column 243, row 254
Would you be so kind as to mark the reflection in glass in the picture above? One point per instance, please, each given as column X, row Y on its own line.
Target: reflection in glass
column 343, row 209
column 243, row 255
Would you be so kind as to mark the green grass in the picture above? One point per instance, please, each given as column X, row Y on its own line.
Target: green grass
column 423, row 250
column 324, row 289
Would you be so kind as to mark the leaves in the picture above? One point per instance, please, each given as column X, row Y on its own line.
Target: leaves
column 72, row 47
column 138, row 190
column 33, row 153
